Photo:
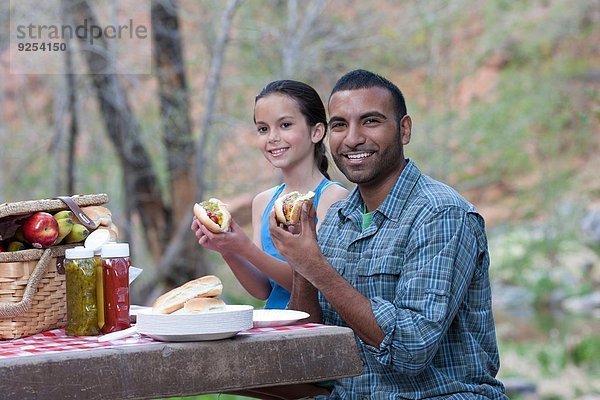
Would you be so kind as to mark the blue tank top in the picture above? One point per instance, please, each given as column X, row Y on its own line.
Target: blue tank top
column 280, row 296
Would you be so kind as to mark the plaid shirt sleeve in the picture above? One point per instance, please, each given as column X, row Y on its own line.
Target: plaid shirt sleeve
column 440, row 260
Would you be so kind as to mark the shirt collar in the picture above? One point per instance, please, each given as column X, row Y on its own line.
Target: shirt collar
column 395, row 200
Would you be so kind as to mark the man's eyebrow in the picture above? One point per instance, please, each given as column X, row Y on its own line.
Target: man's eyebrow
column 373, row 114
column 368, row 114
column 335, row 119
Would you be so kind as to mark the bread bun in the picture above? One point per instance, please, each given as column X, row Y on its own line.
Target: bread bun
column 101, row 216
column 202, row 304
column 214, row 215
column 173, row 300
column 113, row 230
column 289, row 206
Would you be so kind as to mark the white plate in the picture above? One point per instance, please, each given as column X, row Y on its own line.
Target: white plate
column 134, row 310
column 192, row 337
column 272, row 317
column 209, row 325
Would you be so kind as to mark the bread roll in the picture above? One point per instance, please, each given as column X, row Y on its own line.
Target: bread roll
column 100, row 215
column 213, row 214
column 288, row 206
column 173, row 300
column 113, row 230
column 202, row 304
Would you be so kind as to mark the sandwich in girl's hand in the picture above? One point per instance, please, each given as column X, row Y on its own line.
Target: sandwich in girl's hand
column 213, row 215
column 288, row 206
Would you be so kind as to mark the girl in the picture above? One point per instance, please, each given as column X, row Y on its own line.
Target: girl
column 291, row 124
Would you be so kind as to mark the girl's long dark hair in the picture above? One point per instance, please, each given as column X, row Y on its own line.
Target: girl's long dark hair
column 310, row 105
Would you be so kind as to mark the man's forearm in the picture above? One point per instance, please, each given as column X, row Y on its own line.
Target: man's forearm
column 350, row 304
column 304, row 297
column 355, row 310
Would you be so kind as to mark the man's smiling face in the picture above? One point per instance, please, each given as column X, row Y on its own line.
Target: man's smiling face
column 366, row 142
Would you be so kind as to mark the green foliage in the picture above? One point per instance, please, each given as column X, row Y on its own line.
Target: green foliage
column 552, row 359
column 552, row 397
column 585, row 353
column 535, row 256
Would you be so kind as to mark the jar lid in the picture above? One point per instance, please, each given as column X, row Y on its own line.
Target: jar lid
column 97, row 239
column 79, row 252
column 111, row 250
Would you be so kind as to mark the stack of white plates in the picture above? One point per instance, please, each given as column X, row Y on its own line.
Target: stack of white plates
column 185, row 327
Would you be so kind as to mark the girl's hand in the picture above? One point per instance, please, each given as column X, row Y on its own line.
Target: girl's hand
column 235, row 240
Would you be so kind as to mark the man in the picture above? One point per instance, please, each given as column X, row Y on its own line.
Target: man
column 403, row 261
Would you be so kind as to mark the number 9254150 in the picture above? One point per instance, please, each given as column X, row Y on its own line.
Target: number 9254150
column 44, row 46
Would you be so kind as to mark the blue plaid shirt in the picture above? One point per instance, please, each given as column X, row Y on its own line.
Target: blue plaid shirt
column 423, row 262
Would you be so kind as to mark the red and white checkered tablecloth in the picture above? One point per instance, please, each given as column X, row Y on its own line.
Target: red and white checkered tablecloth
column 294, row 327
column 56, row 341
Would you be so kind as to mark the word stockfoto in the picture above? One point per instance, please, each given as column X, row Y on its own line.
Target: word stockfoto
column 85, row 31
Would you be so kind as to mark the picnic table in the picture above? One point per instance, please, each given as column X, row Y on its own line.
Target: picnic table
column 51, row 365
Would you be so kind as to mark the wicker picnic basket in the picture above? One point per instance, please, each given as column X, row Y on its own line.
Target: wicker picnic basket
column 32, row 282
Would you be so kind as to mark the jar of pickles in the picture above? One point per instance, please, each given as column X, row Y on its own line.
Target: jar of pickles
column 95, row 241
column 82, row 308
column 115, row 279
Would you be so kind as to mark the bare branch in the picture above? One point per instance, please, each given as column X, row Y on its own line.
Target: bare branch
column 213, row 81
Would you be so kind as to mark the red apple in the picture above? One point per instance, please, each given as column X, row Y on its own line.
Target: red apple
column 41, row 230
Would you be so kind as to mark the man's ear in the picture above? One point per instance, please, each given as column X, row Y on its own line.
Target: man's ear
column 405, row 129
column 317, row 132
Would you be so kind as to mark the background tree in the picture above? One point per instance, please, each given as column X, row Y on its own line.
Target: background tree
column 165, row 215
column 140, row 181
column 180, row 258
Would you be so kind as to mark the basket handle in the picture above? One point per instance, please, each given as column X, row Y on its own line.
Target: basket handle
column 8, row 309
column 84, row 219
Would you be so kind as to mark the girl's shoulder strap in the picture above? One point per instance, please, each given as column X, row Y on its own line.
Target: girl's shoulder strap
column 324, row 184
column 276, row 193
column 265, row 236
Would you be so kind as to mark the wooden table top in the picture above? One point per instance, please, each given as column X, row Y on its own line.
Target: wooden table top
column 150, row 369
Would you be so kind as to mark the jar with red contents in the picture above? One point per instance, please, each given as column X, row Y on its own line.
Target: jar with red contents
column 115, row 281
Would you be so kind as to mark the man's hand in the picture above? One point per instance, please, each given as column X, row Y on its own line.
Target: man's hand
column 298, row 243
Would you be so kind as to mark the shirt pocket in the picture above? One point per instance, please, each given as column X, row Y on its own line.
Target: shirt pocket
column 379, row 275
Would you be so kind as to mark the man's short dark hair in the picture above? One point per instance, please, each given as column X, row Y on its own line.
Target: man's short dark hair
column 362, row 79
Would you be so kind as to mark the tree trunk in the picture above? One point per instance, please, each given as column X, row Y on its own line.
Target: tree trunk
column 166, row 229
column 174, row 105
column 141, row 183
column 181, row 260
column 73, row 121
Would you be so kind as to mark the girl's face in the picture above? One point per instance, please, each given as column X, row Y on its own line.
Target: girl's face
column 284, row 136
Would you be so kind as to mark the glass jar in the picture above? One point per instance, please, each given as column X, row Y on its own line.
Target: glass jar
column 115, row 280
column 95, row 241
column 82, row 307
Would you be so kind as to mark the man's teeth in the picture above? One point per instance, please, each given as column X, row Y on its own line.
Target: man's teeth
column 358, row 156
